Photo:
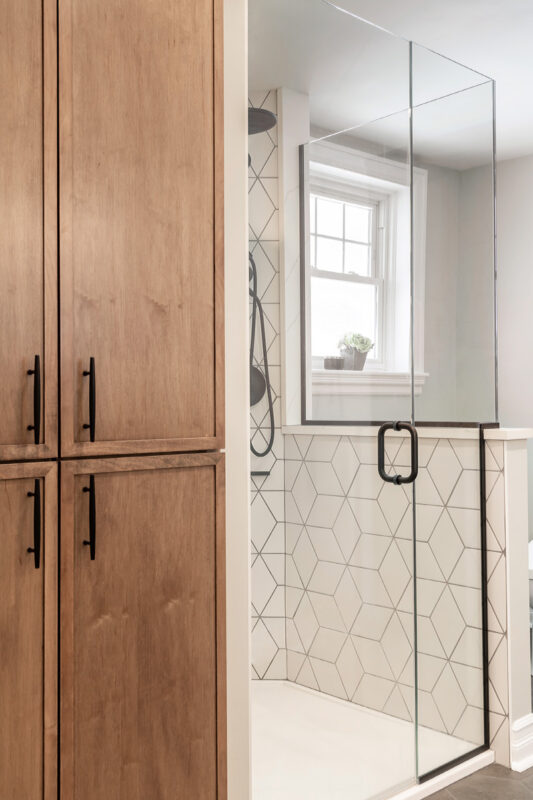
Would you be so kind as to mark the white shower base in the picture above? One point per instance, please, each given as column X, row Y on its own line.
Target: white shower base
column 309, row 746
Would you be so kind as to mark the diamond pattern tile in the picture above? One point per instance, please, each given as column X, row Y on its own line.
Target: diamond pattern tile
column 394, row 573
column 446, row 544
column 448, row 622
column 264, row 648
column 370, row 551
column 371, row 621
column 372, row 657
column 346, row 530
column 349, row 590
column 449, row 698
column 325, row 510
column 328, row 678
column 272, row 571
column 367, row 483
column 444, row 468
column 394, row 505
column 306, row 622
column 327, row 611
column 347, row 599
column 349, row 667
column 304, row 492
column 263, row 585
column 345, row 463
column 396, row 645
column 369, row 516
column 305, row 558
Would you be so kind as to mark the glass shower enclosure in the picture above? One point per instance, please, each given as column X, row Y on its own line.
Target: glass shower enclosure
column 395, row 352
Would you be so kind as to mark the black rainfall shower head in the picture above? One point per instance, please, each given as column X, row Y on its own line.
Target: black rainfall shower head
column 260, row 120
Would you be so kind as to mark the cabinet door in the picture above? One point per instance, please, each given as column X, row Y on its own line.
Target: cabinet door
column 28, row 230
column 28, row 624
column 140, row 111
column 142, row 632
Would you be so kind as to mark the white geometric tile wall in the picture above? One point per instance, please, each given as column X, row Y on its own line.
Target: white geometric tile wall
column 268, row 530
column 349, row 595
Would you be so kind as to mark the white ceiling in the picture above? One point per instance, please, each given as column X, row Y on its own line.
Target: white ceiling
column 354, row 73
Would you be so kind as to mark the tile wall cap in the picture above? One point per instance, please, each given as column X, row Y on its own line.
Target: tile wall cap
column 498, row 434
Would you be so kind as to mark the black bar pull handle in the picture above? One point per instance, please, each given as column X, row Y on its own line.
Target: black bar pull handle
column 91, row 425
column 398, row 426
column 36, row 372
column 91, row 541
column 36, row 549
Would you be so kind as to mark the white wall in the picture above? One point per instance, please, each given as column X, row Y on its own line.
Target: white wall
column 438, row 398
column 237, row 398
column 515, row 295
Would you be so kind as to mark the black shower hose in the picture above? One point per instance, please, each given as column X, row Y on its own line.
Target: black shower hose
column 257, row 307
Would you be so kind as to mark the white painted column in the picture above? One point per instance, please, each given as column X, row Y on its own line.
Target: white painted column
column 237, row 397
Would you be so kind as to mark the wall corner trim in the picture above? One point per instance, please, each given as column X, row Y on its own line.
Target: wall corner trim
column 522, row 743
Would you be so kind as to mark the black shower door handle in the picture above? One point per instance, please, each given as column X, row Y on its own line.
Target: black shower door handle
column 91, row 373
column 36, row 549
column 91, row 541
column 36, row 372
column 398, row 426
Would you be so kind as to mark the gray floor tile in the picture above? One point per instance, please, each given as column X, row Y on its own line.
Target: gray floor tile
column 481, row 786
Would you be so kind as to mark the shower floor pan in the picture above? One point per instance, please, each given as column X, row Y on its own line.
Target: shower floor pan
column 309, row 746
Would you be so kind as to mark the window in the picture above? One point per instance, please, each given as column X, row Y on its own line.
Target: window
column 346, row 271
column 357, row 268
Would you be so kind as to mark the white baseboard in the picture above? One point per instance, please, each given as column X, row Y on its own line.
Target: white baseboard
column 447, row 778
column 522, row 743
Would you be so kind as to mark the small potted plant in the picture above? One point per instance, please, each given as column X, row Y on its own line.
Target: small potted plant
column 354, row 348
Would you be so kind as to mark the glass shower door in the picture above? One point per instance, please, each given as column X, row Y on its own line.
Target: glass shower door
column 355, row 292
column 372, row 524
column 454, row 355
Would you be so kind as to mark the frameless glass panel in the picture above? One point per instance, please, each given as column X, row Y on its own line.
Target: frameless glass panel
column 454, row 352
column 435, row 76
column 351, row 72
column 358, row 369
column 346, row 578
column 356, row 273
column 453, row 220
column 450, row 693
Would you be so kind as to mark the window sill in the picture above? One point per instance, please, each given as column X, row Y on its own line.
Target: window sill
column 350, row 382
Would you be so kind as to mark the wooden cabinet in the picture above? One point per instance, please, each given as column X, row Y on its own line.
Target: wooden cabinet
column 28, row 623
column 140, row 109
column 111, row 193
column 142, row 628
column 28, row 230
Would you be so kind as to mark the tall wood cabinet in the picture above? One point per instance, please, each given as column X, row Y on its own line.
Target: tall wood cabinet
column 28, row 631
column 111, row 367
column 142, row 628
column 140, row 137
column 28, row 230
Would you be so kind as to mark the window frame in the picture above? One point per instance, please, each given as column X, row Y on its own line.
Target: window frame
column 325, row 187
column 389, row 182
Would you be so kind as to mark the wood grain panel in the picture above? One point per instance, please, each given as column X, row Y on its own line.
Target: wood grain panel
column 141, row 222
column 141, row 630
column 28, row 625
column 28, row 220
